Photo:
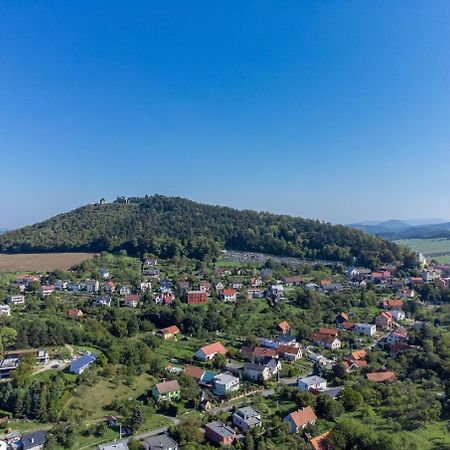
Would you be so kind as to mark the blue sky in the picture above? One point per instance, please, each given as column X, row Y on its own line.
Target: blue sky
column 337, row 110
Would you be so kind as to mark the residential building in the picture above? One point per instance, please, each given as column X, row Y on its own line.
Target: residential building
column 160, row 442
column 33, row 441
column 284, row 326
column 289, row 352
column 313, row 382
column 368, row 329
column 393, row 304
column 229, row 295
column 197, row 373
column 7, row 365
column 246, row 418
column 15, row 299
column 398, row 336
column 103, row 300
column 320, row 442
column 145, row 286
column 116, row 445
column 81, row 364
column 384, row 320
column 46, row 290
column 169, row 332
column 197, row 297
column 75, row 313
column 5, row 310
column 327, row 341
column 224, row 383
column 294, row 280
column 167, row 390
column 256, row 372
column 219, row 433
column 398, row 315
column 254, row 292
column 104, row 273
column 208, row 352
column 131, row 300
column 91, row 286
column 300, row 419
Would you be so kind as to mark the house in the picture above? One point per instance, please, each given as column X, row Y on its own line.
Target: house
column 222, row 271
column 125, row 290
column 195, row 372
column 333, row 287
column 145, row 286
column 246, row 418
column 381, row 377
column 169, row 332
column 197, row 297
column 160, row 442
column 329, row 331
column 229, row 295
column 91, row 286
column 46, row 290
column 167, row 390
column 61, row 285
column 358, row 355
column 103, row 273
column 219, row 433
column 289, row 352
column 7, row 365
column 109, row 287
column 284, row 327
column 116, row 445
column 260, row 353
column 320, row 442
column 351, row 366
column 150, row 262
column 326, row 340
column 325, row 282
column 342, row 317
column 368, row 329
column 75, row 313
column 384, row 320
column 257, row 372
column 74, row 287
column 81, row 364
column 219, row 287
column 165, row 298
column 347, row 326
column 103, row 300
column 208, row 352
column 131, row 300
column 15, row 299
column 277, row 290
column 254, row 292
column 224, row 383
column 392, row 304
column 204, row 286
column 238, row 284
column 409, row 293
column 399, row 336
column 313, row 382
column 5, row 310
column 398, row 315
column 300, row 419
column 33, row 441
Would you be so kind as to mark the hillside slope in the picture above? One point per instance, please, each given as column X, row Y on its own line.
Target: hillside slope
column 167, row 226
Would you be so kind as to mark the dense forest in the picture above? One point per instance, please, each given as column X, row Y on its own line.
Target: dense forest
column 171, row 226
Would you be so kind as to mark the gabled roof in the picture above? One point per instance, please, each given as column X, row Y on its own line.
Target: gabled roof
column 303, row 416
column 291, row 349
column 358, row 354
column 167, row 386
column 263, row 351
column 216, row 347
column 229, row 291
column 284, row 326
column 83, row 361
column 33, row 439
column 320, row 442
column 329, row 331
column 194, row 372
column 173, row 329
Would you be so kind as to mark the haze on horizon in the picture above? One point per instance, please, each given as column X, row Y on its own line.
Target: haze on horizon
column 331, row 110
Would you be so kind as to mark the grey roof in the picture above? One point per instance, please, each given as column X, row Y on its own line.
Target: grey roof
column 84, row 361
column 160, row 442
column 220, row 428
column 121, row 445
column 31, row 440
column 312, row 380
column 247, row 411
column 224, row 378
column 255, row 367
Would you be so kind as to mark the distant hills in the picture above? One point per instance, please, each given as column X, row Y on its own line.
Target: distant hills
column 171, row 226
column 400, row 229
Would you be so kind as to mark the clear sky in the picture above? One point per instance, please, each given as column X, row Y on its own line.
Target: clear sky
column 338, row 110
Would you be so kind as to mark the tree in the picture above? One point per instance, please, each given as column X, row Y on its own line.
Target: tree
column 351, row 399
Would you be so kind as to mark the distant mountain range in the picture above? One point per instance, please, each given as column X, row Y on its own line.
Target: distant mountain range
column 395, row 229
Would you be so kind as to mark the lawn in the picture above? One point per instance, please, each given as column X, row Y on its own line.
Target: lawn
column 427, row 246
column 41, row 262
column 94, row 400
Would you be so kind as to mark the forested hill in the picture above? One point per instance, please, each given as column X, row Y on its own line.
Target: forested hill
column 167, row 226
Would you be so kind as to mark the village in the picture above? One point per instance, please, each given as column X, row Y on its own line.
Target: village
column 229, row 372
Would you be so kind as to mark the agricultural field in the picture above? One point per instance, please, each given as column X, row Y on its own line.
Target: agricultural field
column 41, row 262
column 438, row 249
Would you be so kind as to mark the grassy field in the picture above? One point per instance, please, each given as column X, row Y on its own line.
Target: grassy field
column 429, row 247
column 41, row 262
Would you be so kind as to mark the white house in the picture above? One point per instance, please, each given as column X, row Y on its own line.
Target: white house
column 246, row 418
column 300, row 419
column 225, row 383
column 5, row 310
column 125, row 290
column 367, row 329
column 15, row 299
column 91, row 286
column 312, row 382
column 398, row 315
column 229, row 295
column 104, row 273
